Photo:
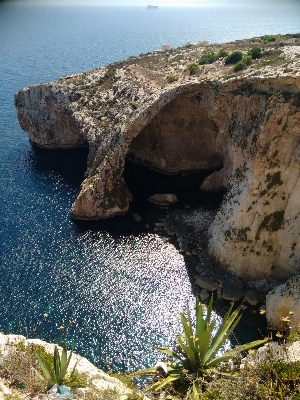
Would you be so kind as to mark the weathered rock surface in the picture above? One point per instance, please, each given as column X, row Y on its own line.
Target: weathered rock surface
column 206, row 282
column 288, row 353
column 283, row 305
column 95, row 377
column 245, row 126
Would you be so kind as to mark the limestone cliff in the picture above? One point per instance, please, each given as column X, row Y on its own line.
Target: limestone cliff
column 244, row 125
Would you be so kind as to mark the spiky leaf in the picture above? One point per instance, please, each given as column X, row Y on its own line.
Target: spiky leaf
column 46, row 368
column 159, row 385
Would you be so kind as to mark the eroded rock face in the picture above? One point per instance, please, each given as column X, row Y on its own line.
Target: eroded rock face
column 247, row 127
column 181, row 137
column 256, row 230
column 43, row 113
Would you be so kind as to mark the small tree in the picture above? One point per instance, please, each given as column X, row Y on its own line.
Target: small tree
column 268, row 39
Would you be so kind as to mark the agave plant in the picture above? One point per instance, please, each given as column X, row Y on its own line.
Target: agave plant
column 56, row 374
column 196, row 354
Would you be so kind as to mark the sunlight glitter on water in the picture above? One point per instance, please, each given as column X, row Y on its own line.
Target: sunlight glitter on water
column 114, row 287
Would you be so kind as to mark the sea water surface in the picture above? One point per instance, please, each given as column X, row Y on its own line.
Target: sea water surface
column 113, row 287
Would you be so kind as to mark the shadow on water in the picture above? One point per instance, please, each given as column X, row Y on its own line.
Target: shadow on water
column 68, row 164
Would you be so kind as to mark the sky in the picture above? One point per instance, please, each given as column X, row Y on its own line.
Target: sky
column 144, row 3
column 164, row 3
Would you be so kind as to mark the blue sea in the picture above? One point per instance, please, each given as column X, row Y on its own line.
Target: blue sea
column 112, row 287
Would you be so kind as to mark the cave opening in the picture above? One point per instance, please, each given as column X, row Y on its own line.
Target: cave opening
column 144, row 182
column 176, row 151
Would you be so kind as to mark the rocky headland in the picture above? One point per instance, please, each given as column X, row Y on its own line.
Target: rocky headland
column 166, row 111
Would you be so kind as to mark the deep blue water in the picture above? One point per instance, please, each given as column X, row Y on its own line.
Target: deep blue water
column 120, row 284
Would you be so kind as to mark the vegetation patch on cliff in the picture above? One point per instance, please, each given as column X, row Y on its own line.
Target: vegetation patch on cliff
column 271, row 223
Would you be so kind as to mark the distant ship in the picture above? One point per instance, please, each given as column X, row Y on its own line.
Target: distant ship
column 152, row 7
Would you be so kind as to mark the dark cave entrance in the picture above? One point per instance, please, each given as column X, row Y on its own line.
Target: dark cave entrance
column 143, row 182
column 175, row 152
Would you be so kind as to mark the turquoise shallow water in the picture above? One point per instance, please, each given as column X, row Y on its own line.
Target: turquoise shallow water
column 121, row 284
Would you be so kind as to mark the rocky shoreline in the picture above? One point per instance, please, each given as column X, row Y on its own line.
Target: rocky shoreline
column 176, row 113
column 188, row 230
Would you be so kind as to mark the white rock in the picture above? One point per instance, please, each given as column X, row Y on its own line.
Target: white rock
column 4, row 390
column 53, row 389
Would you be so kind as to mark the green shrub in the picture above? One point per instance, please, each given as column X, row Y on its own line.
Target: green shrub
column 294, row 336
column 247, row 60
column 272, row 380
column 293, row 35
column 222, row 53
column 67, row 107
column 197, row 353
column 193, row 68
column 268, row 39
column 234, row 57
column 255, row 53
column 208, row 58
column 18, row 365
column 239, row 66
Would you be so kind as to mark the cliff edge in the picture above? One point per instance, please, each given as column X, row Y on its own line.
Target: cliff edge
column 168, row 112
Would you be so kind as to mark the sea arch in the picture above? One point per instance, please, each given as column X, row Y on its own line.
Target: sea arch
column 183, row 131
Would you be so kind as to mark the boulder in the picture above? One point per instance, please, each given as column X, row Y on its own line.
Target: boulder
column 206, row 282
column 136, row 217
column 163, row 199
column 204, row 294
column 232, row 290
column 284, row 302
column 251, row 297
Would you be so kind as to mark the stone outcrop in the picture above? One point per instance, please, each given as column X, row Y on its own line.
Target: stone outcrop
column 96, row 378
column 243, row 127
column 283, row 305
